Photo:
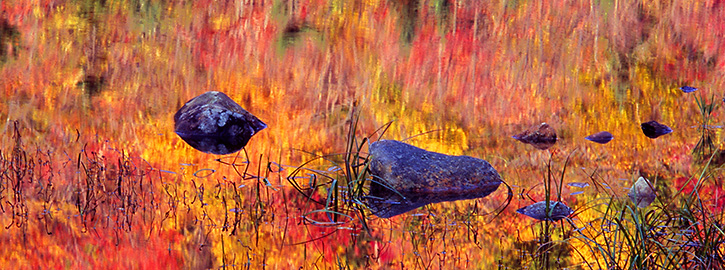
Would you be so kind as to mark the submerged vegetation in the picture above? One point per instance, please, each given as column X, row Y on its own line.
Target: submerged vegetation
column 93, row 176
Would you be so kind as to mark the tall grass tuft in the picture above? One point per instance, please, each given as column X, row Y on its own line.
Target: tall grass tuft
column 339, row 190
column 705, row 145
column 677, row 232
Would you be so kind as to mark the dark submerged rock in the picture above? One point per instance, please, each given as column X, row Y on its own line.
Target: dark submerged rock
column 557, row 211
column 213, row 123
column 542, row 136
column 406, row 177
column 652, row 129
column 600, row 137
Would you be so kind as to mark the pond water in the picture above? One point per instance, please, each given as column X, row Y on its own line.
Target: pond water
column 93, row 175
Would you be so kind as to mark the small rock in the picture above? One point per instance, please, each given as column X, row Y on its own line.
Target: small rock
column 542, row 136
column 652, row 129
column 214, row 123
column 600, row 137
column 406, row 177
column 642, row 193
column 557, row 211
column 688, row 89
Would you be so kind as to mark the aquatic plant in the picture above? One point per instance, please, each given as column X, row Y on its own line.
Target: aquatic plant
column 340, row 194
column 705, row 145
column 549, row 211
column 672, row 235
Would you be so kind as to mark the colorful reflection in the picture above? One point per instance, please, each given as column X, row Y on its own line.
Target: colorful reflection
column 93, row 175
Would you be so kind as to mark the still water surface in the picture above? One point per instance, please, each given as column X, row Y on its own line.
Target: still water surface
column 93, row 175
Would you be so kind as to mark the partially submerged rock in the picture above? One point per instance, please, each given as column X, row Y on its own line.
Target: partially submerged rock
column 406, row 177
column 556, row 211
column 653, row 129
column 541, row 136
column 602, row 137
column 214, row 123
column 642, row 193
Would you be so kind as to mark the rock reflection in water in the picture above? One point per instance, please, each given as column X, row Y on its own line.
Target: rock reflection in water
column 385, row 203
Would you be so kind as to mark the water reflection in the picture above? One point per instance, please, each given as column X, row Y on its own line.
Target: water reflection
column 385, row 203
column 417, row 63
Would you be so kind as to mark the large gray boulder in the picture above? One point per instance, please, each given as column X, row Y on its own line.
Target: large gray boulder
column 406, row 177
column 213, row 123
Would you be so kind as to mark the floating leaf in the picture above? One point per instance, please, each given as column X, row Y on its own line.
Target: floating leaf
column 688, row 89
column 642, row 193
column 600, row 137
column 557, row 211
column 542, row 136
column 652, row 129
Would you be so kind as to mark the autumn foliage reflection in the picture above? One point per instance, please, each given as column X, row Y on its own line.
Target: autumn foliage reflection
column 92, row 175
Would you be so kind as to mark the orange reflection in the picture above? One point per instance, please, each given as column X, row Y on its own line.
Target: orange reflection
column 93, row 87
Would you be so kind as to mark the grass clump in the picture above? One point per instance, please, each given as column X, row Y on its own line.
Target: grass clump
column 681, row 231
column 705, row 144
column 339, row 190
